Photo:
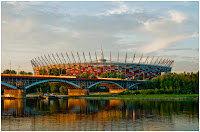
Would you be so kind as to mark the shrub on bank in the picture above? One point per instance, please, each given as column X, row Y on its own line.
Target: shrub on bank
column 155, row 91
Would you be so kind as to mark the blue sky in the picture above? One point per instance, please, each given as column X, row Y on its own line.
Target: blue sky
column 166, row 29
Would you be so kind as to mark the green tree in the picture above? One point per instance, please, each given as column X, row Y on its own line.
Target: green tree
column 85, row 75
column 30, row 73
column 92, row 76
column 7, row 71
column 63, row 90
column 54, row 87
column 22, row 72
column 43, row 72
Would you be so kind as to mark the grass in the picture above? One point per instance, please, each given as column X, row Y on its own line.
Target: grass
column 149, row 96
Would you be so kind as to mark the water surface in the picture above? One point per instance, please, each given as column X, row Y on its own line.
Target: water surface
column 99, row 114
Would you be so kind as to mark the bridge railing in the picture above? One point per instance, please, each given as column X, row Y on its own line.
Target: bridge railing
column 25, row 75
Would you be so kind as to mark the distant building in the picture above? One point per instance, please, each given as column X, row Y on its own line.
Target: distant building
column 183, row 72
column 163, row 73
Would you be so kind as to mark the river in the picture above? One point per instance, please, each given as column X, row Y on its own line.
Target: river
column 99, row 114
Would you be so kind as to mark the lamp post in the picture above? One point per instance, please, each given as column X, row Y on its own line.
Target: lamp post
column 18, row 70
column 10, row 67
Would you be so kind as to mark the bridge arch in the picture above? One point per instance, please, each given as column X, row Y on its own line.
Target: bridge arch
column 133, row 85
column 8, row 85
column 105, row 82
column 52, row 80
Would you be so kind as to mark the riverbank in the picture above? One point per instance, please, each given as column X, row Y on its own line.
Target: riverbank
column 132, row 97
column 149, row 97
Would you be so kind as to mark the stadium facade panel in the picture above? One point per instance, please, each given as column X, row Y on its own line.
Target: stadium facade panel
column 147, row 69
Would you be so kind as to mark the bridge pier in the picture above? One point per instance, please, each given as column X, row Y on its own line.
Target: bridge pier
column 15, row 93
column 77, row 92
column 115, row 91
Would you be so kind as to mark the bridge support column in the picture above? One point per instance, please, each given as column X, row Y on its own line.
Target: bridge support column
column 77, row 92
column 15, row 93
column 114, row 91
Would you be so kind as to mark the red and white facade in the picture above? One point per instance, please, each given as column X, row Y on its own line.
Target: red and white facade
column 146, row 70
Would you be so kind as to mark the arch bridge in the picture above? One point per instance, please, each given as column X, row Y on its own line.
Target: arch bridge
column 26, row 81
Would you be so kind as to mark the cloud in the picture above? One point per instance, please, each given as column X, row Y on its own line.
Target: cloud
column 160, row 43
column 122, row 9
column 176, row 16
column 162, row 32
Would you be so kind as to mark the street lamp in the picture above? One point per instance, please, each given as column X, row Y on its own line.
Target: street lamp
column 18, row 69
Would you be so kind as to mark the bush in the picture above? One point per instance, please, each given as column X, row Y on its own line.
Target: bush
column 142, row 92
column 169, row 91
column 127, row 92
column 63, row 90
column 136, row 92
column 177, row 91
column 92, row 76
column 163, row 91
column 157, row 91
column 183, row 91
column 149, row 91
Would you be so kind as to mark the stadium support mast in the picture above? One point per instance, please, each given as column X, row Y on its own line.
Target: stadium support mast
column 96, row 56
column 44, row 61
column 140, row 58
column 59, row 59
column 110, row 61
column 84, row 57
column 151, row 60
column 125, row 63
column 78, row 57
column 73, row 57
column 118, row 62
column 63, row 65
column 146, row 59
column 91, row 64
column 172, row 63
column 90, row 58
column 51, row 60
column 63, row 57
column 47, row 60
column 68, row 58
column 35, row 63
column 102, row 56
column 156, row 60
column 55, row 60
column 166, row 62
column 38, row 62
column 133, row 58
column 41, row 61
column 126, row 58
column 79, row 61
column 163, row 61
column 159, row 61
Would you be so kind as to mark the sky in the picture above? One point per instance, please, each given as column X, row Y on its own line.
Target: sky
column 166, row 29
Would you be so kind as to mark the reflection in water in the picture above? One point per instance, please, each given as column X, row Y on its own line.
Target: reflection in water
column 98, row 114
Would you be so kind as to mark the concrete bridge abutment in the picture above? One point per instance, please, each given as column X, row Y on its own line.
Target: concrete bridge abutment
column 15, row 93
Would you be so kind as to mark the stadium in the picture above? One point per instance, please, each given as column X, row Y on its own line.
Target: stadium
column 74, row 65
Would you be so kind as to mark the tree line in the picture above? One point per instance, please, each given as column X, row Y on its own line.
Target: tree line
column 48, row 87
column 60, row 71
column 170, row 83
column 7, row 71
